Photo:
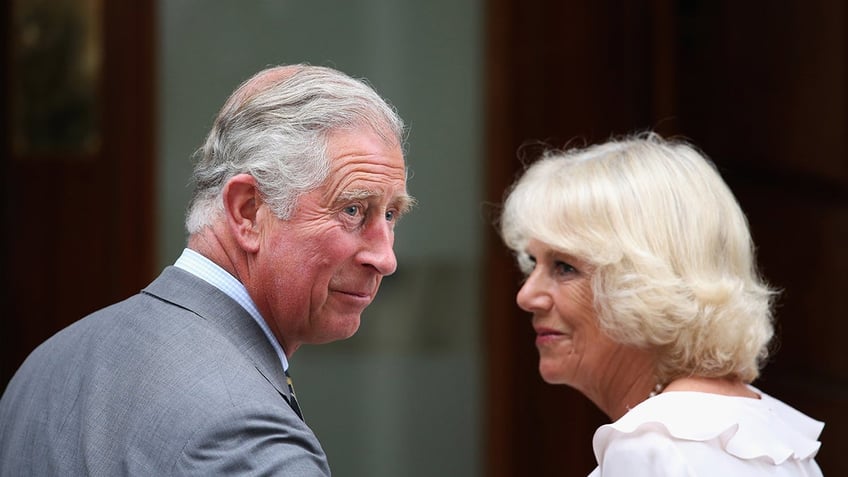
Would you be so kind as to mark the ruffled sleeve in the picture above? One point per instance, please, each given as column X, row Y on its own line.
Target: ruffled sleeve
column 766, row 429
column 644, row 455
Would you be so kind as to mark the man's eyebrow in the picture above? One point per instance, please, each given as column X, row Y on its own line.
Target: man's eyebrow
column 403, row 203
column 357, row 194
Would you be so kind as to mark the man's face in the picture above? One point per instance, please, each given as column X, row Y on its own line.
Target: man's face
column 316, row 272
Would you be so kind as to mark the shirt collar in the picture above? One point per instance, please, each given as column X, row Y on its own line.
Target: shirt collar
column 207, row 270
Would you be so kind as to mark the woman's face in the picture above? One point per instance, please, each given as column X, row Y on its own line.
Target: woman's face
column 572, row 348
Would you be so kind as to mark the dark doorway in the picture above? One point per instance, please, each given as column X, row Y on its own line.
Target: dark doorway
column 764, row 92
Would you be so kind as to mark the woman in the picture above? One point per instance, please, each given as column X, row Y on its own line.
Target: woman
column 641, row 279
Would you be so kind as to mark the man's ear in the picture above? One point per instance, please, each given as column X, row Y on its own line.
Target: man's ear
column 241, row 208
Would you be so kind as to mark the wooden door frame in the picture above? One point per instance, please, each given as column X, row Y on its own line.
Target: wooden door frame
column 92, row 208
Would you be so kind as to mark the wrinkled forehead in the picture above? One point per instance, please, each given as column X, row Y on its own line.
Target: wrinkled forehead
column 365, row 166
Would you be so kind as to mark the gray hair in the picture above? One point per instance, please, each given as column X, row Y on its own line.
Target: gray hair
column 277, row 132
column 672, row 259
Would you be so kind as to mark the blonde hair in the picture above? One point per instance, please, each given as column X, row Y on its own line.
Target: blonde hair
column 672, row 259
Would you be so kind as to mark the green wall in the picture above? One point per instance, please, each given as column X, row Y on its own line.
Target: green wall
column 402, row 397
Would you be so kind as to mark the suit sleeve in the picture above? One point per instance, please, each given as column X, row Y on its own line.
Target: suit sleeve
column 253, row 441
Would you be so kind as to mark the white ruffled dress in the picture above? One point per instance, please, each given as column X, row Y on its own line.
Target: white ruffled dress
column 699, row 434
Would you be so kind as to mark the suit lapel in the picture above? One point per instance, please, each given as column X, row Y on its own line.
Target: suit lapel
column 189, row 292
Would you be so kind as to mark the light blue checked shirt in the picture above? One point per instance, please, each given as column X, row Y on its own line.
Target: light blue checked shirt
column 207, row 270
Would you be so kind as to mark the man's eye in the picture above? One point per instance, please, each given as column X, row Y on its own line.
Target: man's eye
column 352, row 210
column 391, row 215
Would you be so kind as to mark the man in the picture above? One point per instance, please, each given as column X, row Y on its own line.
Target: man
column 298, row 188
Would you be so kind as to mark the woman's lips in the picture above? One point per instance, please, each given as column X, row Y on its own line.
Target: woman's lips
column 545, row 336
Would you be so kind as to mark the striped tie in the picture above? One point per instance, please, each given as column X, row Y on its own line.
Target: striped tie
column 293, row 398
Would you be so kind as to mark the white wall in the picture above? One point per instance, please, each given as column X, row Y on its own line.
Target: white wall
column 402, row 397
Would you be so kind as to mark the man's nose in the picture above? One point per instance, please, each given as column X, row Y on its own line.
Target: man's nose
column 378, row 251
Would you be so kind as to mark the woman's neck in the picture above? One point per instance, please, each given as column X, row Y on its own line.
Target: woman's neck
column 722, row 386
column 628, row 379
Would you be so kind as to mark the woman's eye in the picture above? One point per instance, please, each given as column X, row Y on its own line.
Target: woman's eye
column 563, row 268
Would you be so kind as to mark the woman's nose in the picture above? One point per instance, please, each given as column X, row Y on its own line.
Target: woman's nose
column 532, row 296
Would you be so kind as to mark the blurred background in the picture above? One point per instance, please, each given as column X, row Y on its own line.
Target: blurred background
column 104, row 102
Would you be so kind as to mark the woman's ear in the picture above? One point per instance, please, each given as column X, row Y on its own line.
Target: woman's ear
column 241, row 208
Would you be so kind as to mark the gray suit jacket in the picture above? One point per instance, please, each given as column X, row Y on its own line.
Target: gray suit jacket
column 177, row 380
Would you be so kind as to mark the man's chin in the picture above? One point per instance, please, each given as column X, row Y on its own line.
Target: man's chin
column 341, row 328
